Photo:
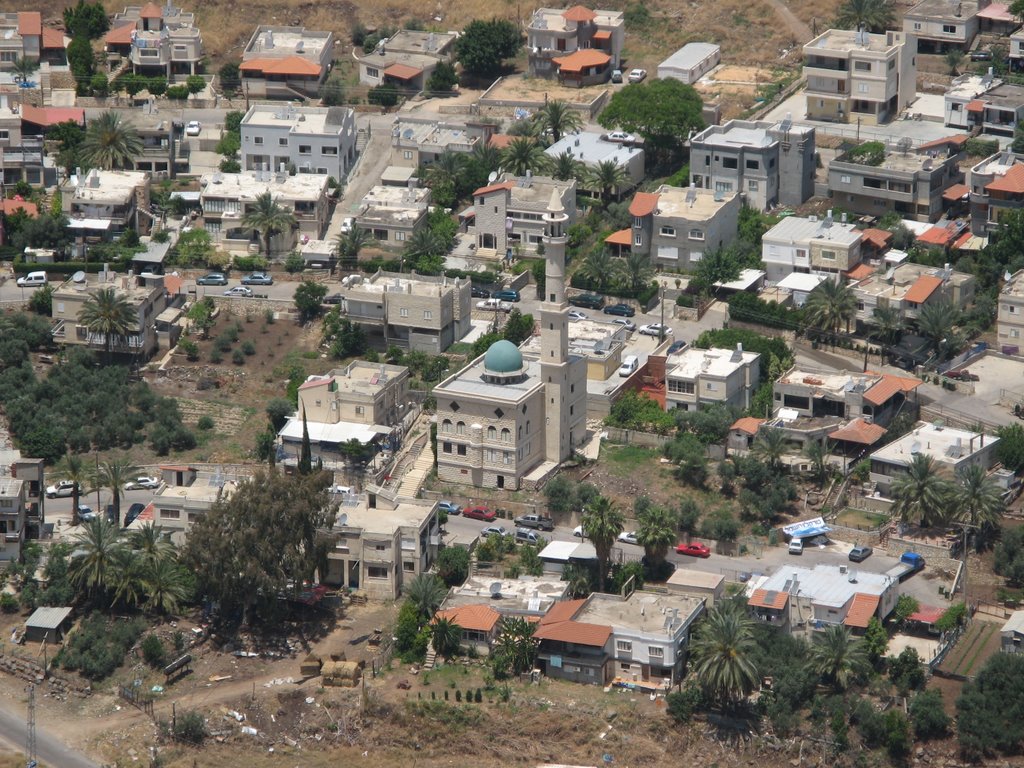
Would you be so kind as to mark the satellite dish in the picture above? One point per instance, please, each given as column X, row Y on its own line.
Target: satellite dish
column 342, row 519
column 78, row 277
column 495, row 589
column 492, row 177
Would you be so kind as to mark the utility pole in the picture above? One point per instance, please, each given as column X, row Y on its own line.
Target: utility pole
column 30, row 730
column 966, row 527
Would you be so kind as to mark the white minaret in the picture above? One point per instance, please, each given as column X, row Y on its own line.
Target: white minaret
column 554, row 335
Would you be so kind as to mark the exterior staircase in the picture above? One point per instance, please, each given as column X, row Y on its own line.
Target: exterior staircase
column 362, row 139
column 412, row 481
column 431, row 658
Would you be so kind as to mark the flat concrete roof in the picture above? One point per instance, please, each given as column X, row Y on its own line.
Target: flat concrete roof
column 590, row 149
column 848, row 40
column 391, row 282
column 303, row 120
column 946, row 445
column 684, row 577
column 1015, row 285
column 407, row 513
column 691, row 204
column 248, row 186
column 553, row 19
column 720, row 363
column 439, row 134
column 798, row 229
column 205, row 489
column 105, row 186
column 527, row 594
column 10, row 487
column 358, row 377
column 944, row 10
column 416, row 41
column 833, row 383
column 284, row 41
column 642, row 611
column 827, row 585
column 470, row 381
column 380, row 196
column 135, row 288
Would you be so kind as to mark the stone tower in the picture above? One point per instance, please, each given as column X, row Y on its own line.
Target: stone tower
column 554, row 337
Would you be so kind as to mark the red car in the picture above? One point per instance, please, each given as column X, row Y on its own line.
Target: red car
column 479, row 513
column 694, row 549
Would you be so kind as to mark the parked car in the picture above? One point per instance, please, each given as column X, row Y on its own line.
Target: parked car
column 479, row 513
column 85, row 513
column 334, row 298
column 62, row 489
column 449, row 508
column 540, row 522
column 655, row 329
column 694, row 549
column 494, row 304
column 347, row 223
column 526, row 536
column 587, row 300
column 628, row 537
column 258, row 278
column 342, row 490
column 133, row 513
column 239, row 291
column 578, row 532
column 493, row 530
column 637, row 75
column 32, row 280
column 575, row 314
column 479, row 293
column 621, row 137
column 860, row 553
column 982, row 54
column 506, row 295
column 193, row 128
column 963, row 375
column 677, row 346
column 622, row 310
column 616, row 75
column 796, row 547
column 629, row 325
column 213, row 278
column 143, row 483
column 629, row 366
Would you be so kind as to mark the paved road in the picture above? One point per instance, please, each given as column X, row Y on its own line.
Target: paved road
column 49, row 749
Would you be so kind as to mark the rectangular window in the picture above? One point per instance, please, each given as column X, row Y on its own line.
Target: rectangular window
column 862, row 66
column 844, row 179
column 668, row 231
column 407, row 154
column 305, row 149
column 752, row 186
column 638, row 239
column 446, row 447
column 730, row 162
column 408, row 567
column 949, row 29
column 399, row 236
column 372, row 72
column 862, row 88
column 917, row 26
column 681, row 387
column 753, row 165
column 170, row 514
column 360, row 410
column 696, row 234
column 4, row 135
column 403, row 312
column 461, row 450
column 257, row 139
column 624, row 646
column 428, row 314
column 637, row 222
column 376, row 572
column 656, row 652
column 829, row 255
column 329, row 151
column 723, row 186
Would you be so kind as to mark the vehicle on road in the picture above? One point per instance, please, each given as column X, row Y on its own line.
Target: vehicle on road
column 981, row 54
column 193, row 128
column 616, row 75
column 479, row 293
column 963, row 375
column 629, row 325
column 526, row 536
column 479, row 513
column 637, row 75
column 628, row 537
column 334, row 298
column 575, row 314
column 629, row 366
column 449, row 508
column 621, row 136
column 347, row 223
column 133, row 513
column 587, row 300
column 655, row 329
column 694, row 549
column 578, row 532
column 85, row 514
column 239, row 291
column 540, row 522
column 213, row 278
column 860, row 553
column 796, row 547
column 143, row 483
column 62, row 489
column 622, row 310
column 494, row 305
column 32, row 280
column 493, row 530
column 506, row 295
column 258, row 278
column 910, row 563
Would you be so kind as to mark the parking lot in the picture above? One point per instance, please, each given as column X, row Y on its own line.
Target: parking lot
column 996, row 374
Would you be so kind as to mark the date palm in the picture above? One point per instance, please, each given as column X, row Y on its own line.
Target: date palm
column 165, row 586
column 150, row 543
column 838, row 656
column 937, row 322
column 722, row 649
column 876, row 15
column 349, row 244
column 115, row 474
column 446, row 169
column 977, row 500
column 921, row 493
column 516, row 644
column 602, row 523
column 523, row 154
column 109, row 313
column 656, row 533
column 486, row 157
column 446, row 637
column 268, row 218
column 886, row 325
column 565, row 167
column 425, row 591
column 635, row 271
column 606, row 178
column 831, row 306
column 126, row 585
column 110, row 142
column 817, row 454
column 72, row 467
column 770, row 446
column 558, row 118
column 598, row 267
column 23, row 68
column 93, row 566
column 578, row 578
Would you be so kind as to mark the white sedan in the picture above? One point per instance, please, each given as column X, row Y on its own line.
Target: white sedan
column 628, row 537
column 575, row 314
column 145, row 483
column 621, row 136
column 194, row 127
column 637, row 75
column 654, row 329
column 239, row 290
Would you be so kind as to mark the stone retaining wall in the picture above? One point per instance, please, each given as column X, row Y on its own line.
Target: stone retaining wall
column 33, row 672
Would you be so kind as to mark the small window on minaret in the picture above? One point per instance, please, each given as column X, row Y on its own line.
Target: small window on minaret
column 552, row 297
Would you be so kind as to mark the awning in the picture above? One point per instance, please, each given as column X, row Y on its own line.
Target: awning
column 859, row 431
column 341, row 432
column 806, row 528
column 976, row 105
column 602, row 34
column 402, row 72
column 99, row 225
column 956, row 192
column 622, row 237
column 926, row 614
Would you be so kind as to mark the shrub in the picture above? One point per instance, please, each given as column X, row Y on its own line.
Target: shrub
column 928, row 716
column 478, row 697
column 223, row 342
column 177, row 92
column 868, row 153
column 294, row 263
column 8, row 603
column 153, row 651
column 238, row 357
column 453, row 565
column 215, row 356
column 249, row 263
column 205, row 423
column 682, row 704
column 384, row 95
column 982, row 147
column 99, row 647
column 248, row 348
column 458, row 695
column 190, row 348
column 190, row 727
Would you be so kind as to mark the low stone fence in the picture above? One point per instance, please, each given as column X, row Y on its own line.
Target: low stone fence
column 652, row 440
column 590, row 109
column 871, row 538
column 240, row 306
column 33, row 672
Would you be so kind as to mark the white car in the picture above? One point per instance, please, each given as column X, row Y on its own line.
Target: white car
column 629, row 325
column 654, row 329
column 63, row 489
column 239, row 290
column 575, row 314
column 494, row 305
column 194, row 127
column 347, row 224
column 621, row 136
column 628, row 537
column 578, row 532
column 145, row 483
column 493, row 530
column 637, row 75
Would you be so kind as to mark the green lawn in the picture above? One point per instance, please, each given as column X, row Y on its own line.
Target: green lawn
column 624, row 460
column 861, row 519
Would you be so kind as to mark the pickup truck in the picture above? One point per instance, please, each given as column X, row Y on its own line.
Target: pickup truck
column 540, row 522
column 910, row 563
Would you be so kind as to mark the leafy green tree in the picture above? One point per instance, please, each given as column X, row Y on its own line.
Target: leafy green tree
column 309, row 298
column 906, row 671
column 579, row 579
column 443, row 78
column 425, row 591
column 484, row 46
column 558, row 118
column 268, row 218
column 88, row 19
column 817, row 454
column 876, row 640
column 81, row 61
column 560, row 493
column 194, row 248
column 607, row 177
column 722, row 649
column 523, row 154
column 603, row 522
column 229, row 78
column 719, row 265
column 108, row 313
column 518, row 327
column 453, row 565
column 425, row 251
column 690, row 457
column 838, row 656
column 195, row 84
column 990, row 711
column 921, row 493
column 831, row 306
column 929, row 716
column 662, row 112
column 876, row 15
column 1009, row 555
column 115, row 473
column 110, row 142
column 261, row 542
column 384, row 95
column 635, row 410
column 278, row 410
column 446, row 636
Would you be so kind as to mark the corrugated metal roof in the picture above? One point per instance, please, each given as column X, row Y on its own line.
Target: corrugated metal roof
column 48, row 618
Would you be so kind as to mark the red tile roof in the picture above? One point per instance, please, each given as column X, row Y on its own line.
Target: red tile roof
column 602, row 34
column 173, row 284
column 860, row 272
column 859, row 431
column 48, row 116
column 403, row 71
column 562, row 611
column 53, row 38
column 500, row 140
column 289, row 65
column 644, row 204
column 148, row 515
column 120, row 35
column 10, row 206
column 976, row 105
column 998, row 12
column 926, row 614
column 622, row 237
column 889, row 386
column 30, row 23
column 1011, row 181
column 763, row 598
column 495, row 187
column 963, row 239
column 922, row 288
column 582, row 59
column 577, row 632
column 314, row 383
column 957, row 141
column 579, row 13
column 748, row 425
column 879, row 238
column 956, row 192
column 151, row 11
column 861, row 610
column 477, row 618
column 936, row 236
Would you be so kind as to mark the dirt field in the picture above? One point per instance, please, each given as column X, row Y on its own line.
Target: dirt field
column 534, row 89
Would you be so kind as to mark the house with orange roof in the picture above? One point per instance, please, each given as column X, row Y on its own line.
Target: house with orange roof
column 875, row 397
column 742, row 433
column 478, row 624
column 578, row 45
column 822, row 246
column 161, row 40
column 995, row 186
column 508, row 214
column 907, row 287
column 22, row 35
column 22, row 154
column 407, row 59
column 286, row 62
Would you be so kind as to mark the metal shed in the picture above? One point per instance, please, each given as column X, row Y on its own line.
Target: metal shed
column 47, row 624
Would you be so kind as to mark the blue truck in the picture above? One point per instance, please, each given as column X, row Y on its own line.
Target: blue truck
column 910, row 563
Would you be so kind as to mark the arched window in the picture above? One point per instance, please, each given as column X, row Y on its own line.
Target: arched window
column 527, row 426
column 460, row 428
column 446, row 425
column 492, row 433
column 506, row 435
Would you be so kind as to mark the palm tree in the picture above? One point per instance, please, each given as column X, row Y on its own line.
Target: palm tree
column 446, row 169
column 606, row 177
column 110, row 142
column 164, row 583
column 446, row 636
column 126, row 582
column 72, row 467
column 349, row 244
column 23, row 68
column 115, row 474
column 770, row 446
column 876, row 15
column 921, row 493
column 516, row 644
column 831, row 306
column 423, row 244
column 108, row 312
column 953, row 61
column 977, row 498
column 151, row 543
column 599, row 268
column 937, row 322
column 426, row 592
column 558, row 118
column 603, row 523
column 521, row 155
column 485, row 156
column 93, row 566
column 578, row 578
column 635, row 271
column 268, row 218
column 817, row 454
column 722, row 649
column 838, row 656
column 886, row 325
column 565, row 167
column 656, row 532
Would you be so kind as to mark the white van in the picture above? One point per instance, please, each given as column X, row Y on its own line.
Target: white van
column 629, row 366
column 32, row 280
